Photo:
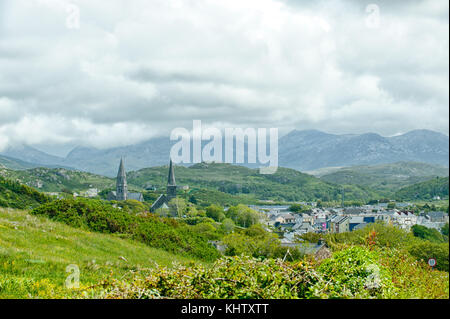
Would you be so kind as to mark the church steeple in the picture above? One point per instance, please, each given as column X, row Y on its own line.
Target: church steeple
column 121, row 185
column 171, row 184
column 171, row 179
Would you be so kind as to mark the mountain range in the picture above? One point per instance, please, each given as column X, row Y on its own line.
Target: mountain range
column 302, row 150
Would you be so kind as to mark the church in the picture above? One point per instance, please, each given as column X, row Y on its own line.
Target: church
column 171, row 192
column 121, row 192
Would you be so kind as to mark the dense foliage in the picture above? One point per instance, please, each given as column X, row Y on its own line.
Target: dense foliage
column 16, row 195
column 354, row 272
column 425, row 190
column 255, row 241
column 430, row 234
column 156, row 232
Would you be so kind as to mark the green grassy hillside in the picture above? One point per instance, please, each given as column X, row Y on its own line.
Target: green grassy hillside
column 34, row 254
column 16, row 195
column 286, row 184
column 425, row 190
column 58, row 179
column 386, row 178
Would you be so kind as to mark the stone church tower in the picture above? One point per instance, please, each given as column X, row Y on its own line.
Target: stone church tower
column 171, row 191
column 121, row 186
column 171, row 184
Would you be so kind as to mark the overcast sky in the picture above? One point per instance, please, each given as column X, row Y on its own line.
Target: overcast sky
column 129, row 70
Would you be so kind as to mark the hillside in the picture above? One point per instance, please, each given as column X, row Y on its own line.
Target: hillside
column 425, row 190
column 34, row 254
column 58, row 179
column 12, row 163
column 301, row 150
column 16, row 195
column 386, row 178
column 286, row 184
column 312, row 149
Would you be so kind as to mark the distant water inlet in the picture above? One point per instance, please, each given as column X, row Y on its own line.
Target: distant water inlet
column 257, row 146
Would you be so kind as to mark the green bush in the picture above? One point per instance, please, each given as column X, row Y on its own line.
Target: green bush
column 353, row 273
column 425, row 250
column 156, row 232
column 229, row 278
column 16, row 195
column 430, row 234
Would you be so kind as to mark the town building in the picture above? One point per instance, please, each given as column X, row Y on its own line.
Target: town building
column 121, row 192
column 171, row 191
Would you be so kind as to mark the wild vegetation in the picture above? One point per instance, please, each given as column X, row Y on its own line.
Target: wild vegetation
column 35, row 253
column 100, row 216
column 427, row 190
column 58, row 179
column 116, row 244
column 16, row 195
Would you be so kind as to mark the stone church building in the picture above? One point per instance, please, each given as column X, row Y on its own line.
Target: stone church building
column 171, row 192
column 121, row 192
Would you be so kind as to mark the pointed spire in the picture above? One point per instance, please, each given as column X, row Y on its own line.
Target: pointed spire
column 171, row 179
column 121, row 184
column 121, row 172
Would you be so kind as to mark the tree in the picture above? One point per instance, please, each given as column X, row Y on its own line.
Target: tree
column 243, row 215
column 177, row 207
column 391, row 205
column 298, row 208
column 215, row 212
column 427, row 233
column 444, row 230
column 228, row 225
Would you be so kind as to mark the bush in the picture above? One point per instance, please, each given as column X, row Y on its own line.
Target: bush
column 430, row 234
column 156, row 232
column 229, row 278
column 426, row 250
column 353, row 273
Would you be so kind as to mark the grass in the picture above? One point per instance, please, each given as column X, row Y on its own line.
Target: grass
column 34, row 254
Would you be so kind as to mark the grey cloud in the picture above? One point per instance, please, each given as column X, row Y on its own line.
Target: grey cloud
column 150, row 67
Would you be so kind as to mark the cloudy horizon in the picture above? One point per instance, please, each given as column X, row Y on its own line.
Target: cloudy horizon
column 113, row 73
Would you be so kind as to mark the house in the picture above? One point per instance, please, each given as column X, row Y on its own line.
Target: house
column 308, row 219
column 438, row 217
column 355, row 221
column 286, row 219
column 405, row 220
column 320, row 224
column 340, row 224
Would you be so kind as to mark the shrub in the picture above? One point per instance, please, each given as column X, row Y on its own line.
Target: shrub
column 156, row 232
column 229, row 278
column 353, row 273
column 425, row 250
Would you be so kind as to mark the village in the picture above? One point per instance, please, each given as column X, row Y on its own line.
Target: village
column 339, row 220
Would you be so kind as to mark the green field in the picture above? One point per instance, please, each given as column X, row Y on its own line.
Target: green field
column 34, row 254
